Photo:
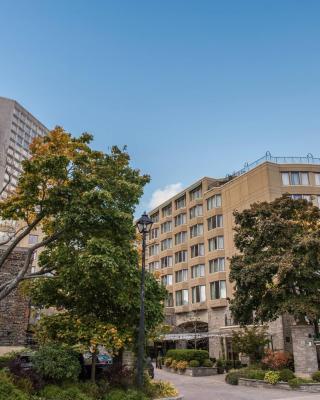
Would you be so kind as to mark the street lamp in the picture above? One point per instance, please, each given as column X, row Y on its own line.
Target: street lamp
column 144, row 225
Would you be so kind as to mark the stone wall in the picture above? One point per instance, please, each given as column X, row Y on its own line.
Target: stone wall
column 14, row 309
column 304, row 350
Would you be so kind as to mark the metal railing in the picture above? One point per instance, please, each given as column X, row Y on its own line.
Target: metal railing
column 309, row 159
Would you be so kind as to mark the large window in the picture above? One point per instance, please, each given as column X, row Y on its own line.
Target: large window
column 218, row 290
column 166, row 262
column 153, row 250
column 215, row 222
column 153, row 266
column 166, row 244
column 182, row 275
column 180, row 219
column 154, row 233
column 155, row 217
column 197, row 250
column 169, row 300
column 166, row 227
column 196, row 193
column 182, row 297
column 166, row 280
column 295, row 178
column 180, row 256
column 199, row 294
column 196, row 230
column 180, row 238
column 217, row 265
column 33, row 239
column 181, row 202
column 196, row 211
column 214, row 202
column 301, row 196
column 317, row 179
column 167, row 210
column 197, row 271
column 216, row 243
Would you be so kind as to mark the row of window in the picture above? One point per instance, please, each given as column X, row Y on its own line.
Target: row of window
column 307, row 197
column 212, row 202
column 298, row 178
column 215, row 265
column 198, row 294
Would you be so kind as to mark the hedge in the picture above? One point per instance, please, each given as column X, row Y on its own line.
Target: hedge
column 188, row 355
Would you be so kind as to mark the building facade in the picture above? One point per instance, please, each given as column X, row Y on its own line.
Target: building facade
column 191, row 242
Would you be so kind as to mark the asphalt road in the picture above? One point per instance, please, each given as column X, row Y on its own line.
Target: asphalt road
column 214, row 388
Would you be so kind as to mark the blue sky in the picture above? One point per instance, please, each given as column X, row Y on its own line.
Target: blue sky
column 192, row 87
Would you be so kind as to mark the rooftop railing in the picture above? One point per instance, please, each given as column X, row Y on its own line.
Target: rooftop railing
column 309, row 159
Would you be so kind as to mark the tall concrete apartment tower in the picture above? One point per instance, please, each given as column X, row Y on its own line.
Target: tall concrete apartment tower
column 17, row 129
column 191, row 242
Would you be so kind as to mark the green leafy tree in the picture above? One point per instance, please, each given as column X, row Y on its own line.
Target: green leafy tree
column 250, row 341
column 277, row 268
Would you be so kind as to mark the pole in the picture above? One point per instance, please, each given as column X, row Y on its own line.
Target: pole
column 141, row 336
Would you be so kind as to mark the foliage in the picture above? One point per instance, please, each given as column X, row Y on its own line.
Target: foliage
column 6, row 358
column 119, row 394
column 194, row 364
column 297, row 382
column 286, row 375
column 8, row 390
column 272, row 377
column 316, row 376
column 119, row 376
column 168, row 361
column 188, row 355
column 277, row 359
column 232, row 378
column 52, row 392
column 207, row 363
column 159, row 389
column 182, row 365
column 250, row 341
column 276, row 268
column 248, row 373
column 255, row 374
column 174, row 364
column 56, row 363
column 27, row 380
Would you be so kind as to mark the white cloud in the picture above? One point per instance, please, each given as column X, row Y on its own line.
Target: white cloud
column 161, row 195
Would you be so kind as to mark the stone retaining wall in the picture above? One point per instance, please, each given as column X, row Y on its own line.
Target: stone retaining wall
column 306, row 387
column 201, row 371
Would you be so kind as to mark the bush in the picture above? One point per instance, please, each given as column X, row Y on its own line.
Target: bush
column 297, row 382
column 53, row 392
column 118, row 376
column 194, row 364
column 159, row 389
column 188, row 355
column 232, row 378
column 286, row 375
column 207, row 363
column 120, row 394
column 57, row 363
column 255, row 374
column 168, row 361
column 182, row 365
column 27, row 380
column 174, row 364
column 272, row 377
column 277, row 360
column 316, row 376
column 91, row 389
column 8, row 391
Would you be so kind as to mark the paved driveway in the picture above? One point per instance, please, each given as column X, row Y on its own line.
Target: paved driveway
column 214, row 388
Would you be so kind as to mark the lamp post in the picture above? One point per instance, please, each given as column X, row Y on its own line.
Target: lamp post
column 144, row 225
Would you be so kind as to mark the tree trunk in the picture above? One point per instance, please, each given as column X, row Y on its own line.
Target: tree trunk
column 316, row 328
column 93, row 367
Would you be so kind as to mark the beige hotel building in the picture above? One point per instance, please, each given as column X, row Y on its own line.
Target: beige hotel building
column 191, row 242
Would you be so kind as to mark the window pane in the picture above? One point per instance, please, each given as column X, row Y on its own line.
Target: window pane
column 285, row 178
column 223, row 291
column 295, row 178
column 317, row 179
column 304, row 178
column 202, row 293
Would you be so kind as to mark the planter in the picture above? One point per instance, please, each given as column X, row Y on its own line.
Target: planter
column 305, row 387
column 198, row 371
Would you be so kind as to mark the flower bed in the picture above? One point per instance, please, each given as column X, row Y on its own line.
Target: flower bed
column 303, row 387
column 197, row 371
column 189, row 362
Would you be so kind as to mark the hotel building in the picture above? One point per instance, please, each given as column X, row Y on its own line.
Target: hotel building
column 191, row 242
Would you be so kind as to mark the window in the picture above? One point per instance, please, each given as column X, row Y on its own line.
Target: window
column 153, row 266
column 182, row 297
column 317, row 179
column 166, row 280
column 166, row 244
column 218, row 290
column 167, row 210
column 166, row 227
column 181, row 202
column 196, row 193
column 153, row 250
column 196, row 211
column 182, row 275
column 215, row 222
column 180, row 256
column 166, row 262
column 198, row 294
column 33, row 239
column 154, row 233
column 155, row 217
column 217, row 265
column 216, row 243
column 196, row 230
column 301, row 196
column 169, row 300
column 214, row 202
column 180, row 238
column 295, row 178
column 197, row 250
column 180, row 219
column 197, row 271
column 318, row 201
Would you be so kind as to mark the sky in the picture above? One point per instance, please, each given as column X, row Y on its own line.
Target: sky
column 193, row 88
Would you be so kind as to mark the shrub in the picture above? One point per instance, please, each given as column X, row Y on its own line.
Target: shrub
column 56, row 363
column 119, row 394
column 53, row 392
column 194, row 364
column 232, row 378
column 277, row 360
column 286, row 375
column 28, row 380
column 159, row 389
column 316, row 376
column 182, row 365
column 91, row 389
column 8, row 391
column 174, row 364
column 255, row 374
column 207, row 363
column 188, row 355
column 272, row 377
column 168, row 361
column 297, row 382
column 118, row 376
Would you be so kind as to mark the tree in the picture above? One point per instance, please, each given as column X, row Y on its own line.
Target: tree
column 250, row 341
column 277, row 268
column 71, row 192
